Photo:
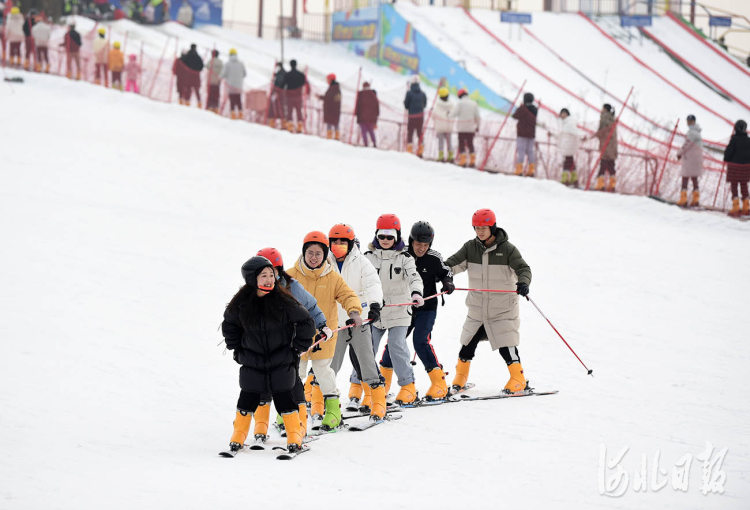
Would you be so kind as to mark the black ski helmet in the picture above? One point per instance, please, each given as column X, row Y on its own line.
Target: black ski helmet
column 740, row 126
column 422, row 232
column 528, row 97
column 253, row 267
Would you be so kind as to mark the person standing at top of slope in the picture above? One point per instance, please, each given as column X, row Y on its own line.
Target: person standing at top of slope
column 492, row 263
column 361, row 276
column 468, row 120
column 415, row 102
column 234, row 74
column 737, row 155
column 262, row 414
column 431, row 269
column 607, row 124
column 267, row 329
column 295, row 85
column 316, row 274
column 332, row 107
column 30, row 43
column 691, row 155
column 401, row 284
column 116, row 64
column 132, row 73
column 41, row 33
column 14, row 33
column 367, row 111
column 72, row 45
column 185, row 14
column 214, row 67
column 441, row 114
column 526, row 135
column 101, row 53
column 193, row 65
column 278, row 97
column 568, row 141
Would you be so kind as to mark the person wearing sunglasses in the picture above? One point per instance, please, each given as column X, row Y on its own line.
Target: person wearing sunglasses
column 401, row 284
column 316, row 274
column 492, row 263
column 361, row 276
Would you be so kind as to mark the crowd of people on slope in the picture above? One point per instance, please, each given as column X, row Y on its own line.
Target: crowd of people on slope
column 335, row 296
column 139, row 11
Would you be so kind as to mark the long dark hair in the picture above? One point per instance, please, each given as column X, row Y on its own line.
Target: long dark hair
column 252, row 307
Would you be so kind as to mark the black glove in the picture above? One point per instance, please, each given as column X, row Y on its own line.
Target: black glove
column 374, row 313
column 317, row 347
column 448, row 286
column 522, row 289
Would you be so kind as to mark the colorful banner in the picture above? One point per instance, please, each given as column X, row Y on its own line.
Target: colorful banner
column 205, row 12
column 398, row 45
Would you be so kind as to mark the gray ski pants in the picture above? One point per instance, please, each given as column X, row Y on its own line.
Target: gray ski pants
column 525, row 147
column 360, row 352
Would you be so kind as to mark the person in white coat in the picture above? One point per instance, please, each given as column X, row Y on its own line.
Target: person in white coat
column 401, row 284
column 441, row 114
column 41, row 33
column 14, row 34
column 360, row 275
column 185, row 14
column 691, row 155
column 466, row 114
column 234, row 74
column 101, row 55
column 568, row 141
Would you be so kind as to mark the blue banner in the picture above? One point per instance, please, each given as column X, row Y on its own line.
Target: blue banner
column 635, row 21
column 515, row 17
column 720, row 21
column 205, row 12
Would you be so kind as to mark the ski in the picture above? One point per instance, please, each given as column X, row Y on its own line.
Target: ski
column 389, row 409
column 528, row 393
column 287, row 455
column 371, row 423
column 232, row 454
column 260, row 442
column 453, row 391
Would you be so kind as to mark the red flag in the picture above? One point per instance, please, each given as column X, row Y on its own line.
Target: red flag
column 304, row 6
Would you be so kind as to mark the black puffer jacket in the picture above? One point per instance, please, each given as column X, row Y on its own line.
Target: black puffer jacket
column 193, row 60
column 268, row 344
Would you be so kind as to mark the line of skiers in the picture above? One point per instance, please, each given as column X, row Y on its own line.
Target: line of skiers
column 33, row 32
column 390, row 289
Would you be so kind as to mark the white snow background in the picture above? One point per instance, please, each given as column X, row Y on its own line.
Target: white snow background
column 125, row 223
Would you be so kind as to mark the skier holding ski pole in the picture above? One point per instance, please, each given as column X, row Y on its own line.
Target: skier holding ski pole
column 492, row 263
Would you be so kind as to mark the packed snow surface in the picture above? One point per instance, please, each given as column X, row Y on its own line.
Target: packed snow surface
column 126, row 222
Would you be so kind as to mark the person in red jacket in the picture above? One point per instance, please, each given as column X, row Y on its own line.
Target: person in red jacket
column 367, row 111
column 526, row 135
column 332, row 107
column 72, row 45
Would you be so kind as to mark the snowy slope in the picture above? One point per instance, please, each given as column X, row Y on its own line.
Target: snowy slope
column 124, row 239
column 700, row 55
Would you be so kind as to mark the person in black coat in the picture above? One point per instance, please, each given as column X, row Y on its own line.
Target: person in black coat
column 737, row 156
column 267, row 329
column 192, row 74
column 415, row 103
column 296, row 85
column 432, row 269
column 278, row 96
column 29, row 40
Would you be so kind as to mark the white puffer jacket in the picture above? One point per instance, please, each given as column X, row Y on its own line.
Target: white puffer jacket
column 14, row 28
column 41, row 33
column 360, row 275
column 399, row 279
column 569, row 137
column 101, row 50
column 466, row 114
column 442, row 115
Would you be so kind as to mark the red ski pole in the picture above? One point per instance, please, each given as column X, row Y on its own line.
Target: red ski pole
column 589, row 371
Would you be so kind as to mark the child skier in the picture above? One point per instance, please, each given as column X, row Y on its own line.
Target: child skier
column 444, row 124
column 132, row 72
column 492, row 263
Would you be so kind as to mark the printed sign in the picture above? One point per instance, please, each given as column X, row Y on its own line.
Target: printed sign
column 635, row 21
column 515, row 17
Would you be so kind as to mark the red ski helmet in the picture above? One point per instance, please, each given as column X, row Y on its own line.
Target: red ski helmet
column 483, row 218
column 331, row 77
column 273, row 255
column 388, row 222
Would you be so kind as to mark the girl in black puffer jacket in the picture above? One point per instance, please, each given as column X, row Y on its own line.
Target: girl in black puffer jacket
column 267, row 329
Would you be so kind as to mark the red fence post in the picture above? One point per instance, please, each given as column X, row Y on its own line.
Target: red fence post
column 171, row 76
column 609, row 137
column 356, row 98
column 497, row 135
column 666, row 157
column 158, row 67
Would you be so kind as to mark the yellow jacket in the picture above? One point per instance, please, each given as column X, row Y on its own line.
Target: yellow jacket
column 328, row 287
column 116, row 60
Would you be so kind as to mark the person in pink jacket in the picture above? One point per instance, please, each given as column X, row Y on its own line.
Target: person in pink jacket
column 132, row 72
